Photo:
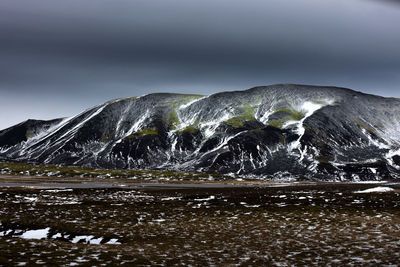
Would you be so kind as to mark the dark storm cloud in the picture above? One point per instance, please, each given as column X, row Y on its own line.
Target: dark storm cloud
column 81, row 53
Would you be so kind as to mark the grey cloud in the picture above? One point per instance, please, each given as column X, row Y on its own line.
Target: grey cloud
column 77, row 52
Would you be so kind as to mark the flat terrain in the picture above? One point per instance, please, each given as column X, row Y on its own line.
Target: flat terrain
column 98, row 222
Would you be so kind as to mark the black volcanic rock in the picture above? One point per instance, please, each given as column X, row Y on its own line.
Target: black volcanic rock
column 25, row 130
column 297, row 131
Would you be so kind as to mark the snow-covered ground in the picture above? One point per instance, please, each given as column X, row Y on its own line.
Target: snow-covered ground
column 379, row 189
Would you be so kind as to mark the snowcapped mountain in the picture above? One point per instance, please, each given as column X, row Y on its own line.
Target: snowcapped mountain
column 299, row 131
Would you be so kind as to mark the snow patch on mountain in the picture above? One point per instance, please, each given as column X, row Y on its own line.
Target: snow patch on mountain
column 309, row 108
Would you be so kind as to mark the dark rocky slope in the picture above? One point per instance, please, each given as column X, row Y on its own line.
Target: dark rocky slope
column 277, row 131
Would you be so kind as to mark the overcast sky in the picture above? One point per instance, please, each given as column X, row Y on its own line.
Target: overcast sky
column 60, row 57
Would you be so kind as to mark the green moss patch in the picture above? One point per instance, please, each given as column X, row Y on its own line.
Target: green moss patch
column 291, row 115
column 172, row 120
column 247, row 114
column 189, row 129
column 277, row 123
column 238, row 121
column 365, row 126
column 182, row 99
column 29, row 134
column 147, row 131
column 105, row 138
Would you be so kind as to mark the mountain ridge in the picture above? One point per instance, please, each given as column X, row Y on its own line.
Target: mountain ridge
column 282, row 130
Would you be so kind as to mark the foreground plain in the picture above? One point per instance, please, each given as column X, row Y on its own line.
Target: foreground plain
column 120, row 222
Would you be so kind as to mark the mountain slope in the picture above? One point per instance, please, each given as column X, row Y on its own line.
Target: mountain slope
column 299, row 131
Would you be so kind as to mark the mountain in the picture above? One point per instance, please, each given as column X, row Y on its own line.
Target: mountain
column 297, row 131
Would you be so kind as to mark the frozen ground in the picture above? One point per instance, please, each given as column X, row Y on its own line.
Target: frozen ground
column 144, row 224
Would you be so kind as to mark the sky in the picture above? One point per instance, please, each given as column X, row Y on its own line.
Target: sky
column 58, row 58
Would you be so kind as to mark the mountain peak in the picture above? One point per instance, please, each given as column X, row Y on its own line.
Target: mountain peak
column 282, row 130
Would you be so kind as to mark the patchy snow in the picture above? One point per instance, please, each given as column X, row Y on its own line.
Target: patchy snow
column 58, row 190
column 223, row 143
column 36, row 234
column 49, row 132
column 265, row 117
column 372, row 141
column 123, row 117
column 31, row 199
column 82, row 238
column 390, row 132
column 205, row 199
column 191, row 102
column 136, row 126
column 45, row 234
column 390, row 155
column 371, row 182
column 58, row 235
column 171, row 198
column 113, row 241
column 74, row 129
column 309, row 108
column 378, row 189
column 159, row 220
column 95, row 240
column 252, row 206
column 209, row 127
